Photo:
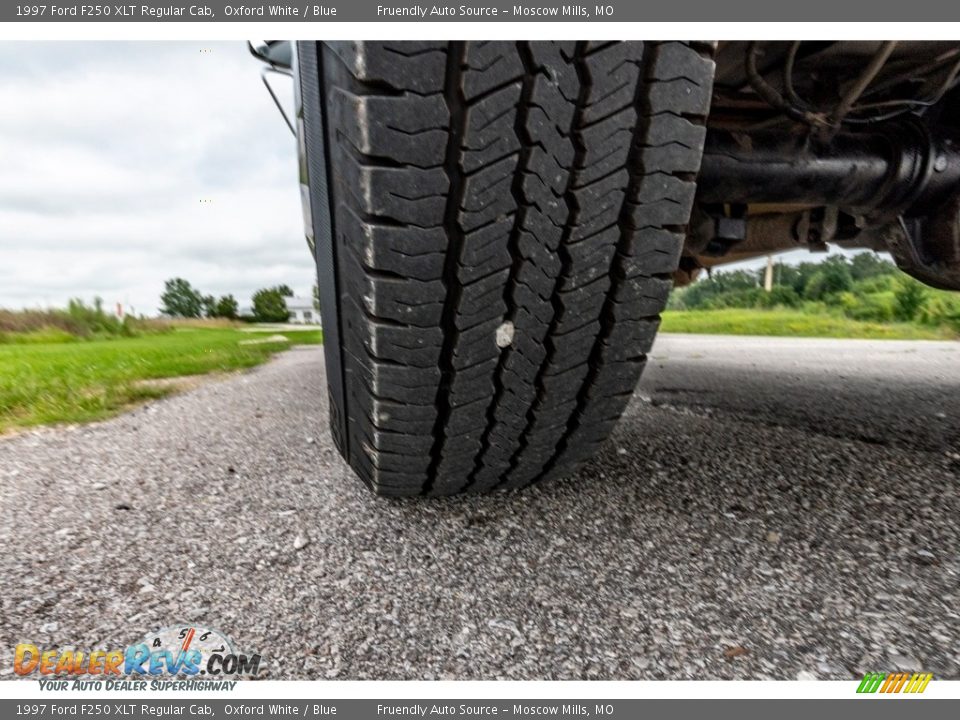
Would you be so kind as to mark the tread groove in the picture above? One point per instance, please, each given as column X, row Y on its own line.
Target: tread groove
column 453, row 96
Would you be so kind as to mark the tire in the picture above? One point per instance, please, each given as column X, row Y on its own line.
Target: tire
column 504, row 222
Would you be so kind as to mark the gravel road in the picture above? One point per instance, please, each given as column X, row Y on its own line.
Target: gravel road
column 767, row 508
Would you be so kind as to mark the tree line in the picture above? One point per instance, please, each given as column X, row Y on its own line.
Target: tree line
column 180, row 299
column 864, row 286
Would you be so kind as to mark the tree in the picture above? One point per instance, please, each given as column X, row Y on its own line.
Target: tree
column 209, row 303
column 316, row 298
column 180, row 299
column 269, row 304
column 794, row 276
column 735, row 280
column 833, row 277
column 909, row 297
column 284, row 290
column 868, row 264
column 227, row 307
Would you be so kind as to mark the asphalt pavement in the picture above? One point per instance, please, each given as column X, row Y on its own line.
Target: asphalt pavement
column 766, row 509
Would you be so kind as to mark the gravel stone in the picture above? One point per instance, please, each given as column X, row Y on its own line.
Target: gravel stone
column 647, row 564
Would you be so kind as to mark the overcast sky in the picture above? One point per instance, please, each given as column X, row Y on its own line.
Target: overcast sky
column 108, row 149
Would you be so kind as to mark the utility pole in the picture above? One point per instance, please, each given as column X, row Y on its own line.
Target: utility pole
column 768, row 275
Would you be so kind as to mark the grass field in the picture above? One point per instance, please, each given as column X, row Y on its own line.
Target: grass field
column 48, row 376
column 82, row 380
column 736, row 321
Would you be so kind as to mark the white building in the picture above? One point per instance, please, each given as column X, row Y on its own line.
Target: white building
column 302, row 311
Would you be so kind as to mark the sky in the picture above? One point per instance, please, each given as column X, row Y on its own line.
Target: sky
column 125, row 164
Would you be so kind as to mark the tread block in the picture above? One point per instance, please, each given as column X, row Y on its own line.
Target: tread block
column 410, row 130
column 414, row 66
column 411, row 196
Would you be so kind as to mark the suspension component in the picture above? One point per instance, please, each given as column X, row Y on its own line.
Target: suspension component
column 901, row 169
column 895, row 188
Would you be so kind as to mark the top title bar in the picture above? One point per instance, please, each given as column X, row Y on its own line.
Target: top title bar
column 483, row 11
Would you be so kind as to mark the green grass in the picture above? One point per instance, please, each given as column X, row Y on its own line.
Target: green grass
column 736, row 321
column 53, row 382
column 49, row 336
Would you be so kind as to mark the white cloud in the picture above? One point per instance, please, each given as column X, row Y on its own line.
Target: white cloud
column 108, row 149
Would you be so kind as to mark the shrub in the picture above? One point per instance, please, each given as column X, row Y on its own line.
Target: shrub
column 942, row 309
column 877, row 284
column 909, row 297
column 77, row 321
column 873, row 307
column 781, row 296
column 94, row 319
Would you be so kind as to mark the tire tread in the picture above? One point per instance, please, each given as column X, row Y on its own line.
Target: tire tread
column 479, row 184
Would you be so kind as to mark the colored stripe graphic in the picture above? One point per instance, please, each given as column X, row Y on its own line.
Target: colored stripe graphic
column 897, row 682
column 870, row 683
column 920, row 684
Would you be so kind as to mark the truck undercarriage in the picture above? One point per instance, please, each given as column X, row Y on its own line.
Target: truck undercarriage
column 850, row 143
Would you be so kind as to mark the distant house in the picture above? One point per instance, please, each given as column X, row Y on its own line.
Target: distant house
column 302, row 311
